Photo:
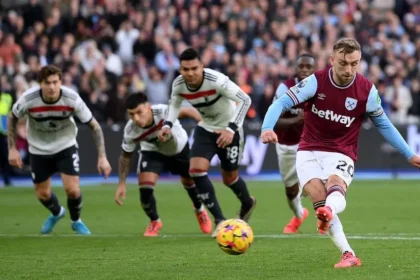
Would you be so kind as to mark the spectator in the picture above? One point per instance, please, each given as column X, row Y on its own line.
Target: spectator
column 6, row 102
column 165, row 59
column 414, row 111
column 9, row 50
column 126, row 37
column 253, row 42
column 400, row 100
column 265, row 100
column 157, row 86
column 113, row 62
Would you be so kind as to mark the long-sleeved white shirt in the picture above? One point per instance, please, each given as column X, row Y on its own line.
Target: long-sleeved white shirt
column 221, row 102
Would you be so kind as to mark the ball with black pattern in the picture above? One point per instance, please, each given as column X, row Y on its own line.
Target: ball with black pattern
column 234, row 237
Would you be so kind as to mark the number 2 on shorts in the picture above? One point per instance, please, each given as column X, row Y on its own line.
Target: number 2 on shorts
column 75, row 157
column 342, row 165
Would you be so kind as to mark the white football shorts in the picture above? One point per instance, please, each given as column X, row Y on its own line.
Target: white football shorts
column 287, row 163
column 320, row 165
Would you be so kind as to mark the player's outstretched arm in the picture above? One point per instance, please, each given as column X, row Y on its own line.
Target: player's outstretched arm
column 242, row 100
column 98, row 137
column 173, row 112
column 286, row 122
column 123, row 170
column 124, row 166
column 232, row 91
column 19, row 111
column 272, row 118
column 394, row 138
column 85, row 116
column 174, row 107
column 128, row 147
column 189, row 112
column 387, row 129
column 12, row 122
column 14, row 155
column 297, row 94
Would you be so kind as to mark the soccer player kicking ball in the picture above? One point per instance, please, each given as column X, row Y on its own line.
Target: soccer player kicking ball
column 156, row 157
column 220, row 132
column 289, row 129
column 337, row 99
column 52, row 133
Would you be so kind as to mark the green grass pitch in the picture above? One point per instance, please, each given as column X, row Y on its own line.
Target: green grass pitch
column 381, row 221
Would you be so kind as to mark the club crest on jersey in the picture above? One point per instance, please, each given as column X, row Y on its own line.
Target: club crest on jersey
column 350, row 104
column 225, row 84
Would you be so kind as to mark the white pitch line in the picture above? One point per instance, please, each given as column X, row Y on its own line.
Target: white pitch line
column 366, row 236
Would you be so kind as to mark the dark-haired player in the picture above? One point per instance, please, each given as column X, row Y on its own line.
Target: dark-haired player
column 289, row 129
column 155, row 157
column 336, row 102
column 223, row 107
column 52, row 133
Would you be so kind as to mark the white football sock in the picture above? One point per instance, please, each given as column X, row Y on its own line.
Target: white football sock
column 336, row 201
column 296, row 205
column 337, row 235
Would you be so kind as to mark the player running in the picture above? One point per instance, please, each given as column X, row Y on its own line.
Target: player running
column 52, row 133
column 220, row 132
column 289, row 129
column 156, row 157
column 337, row 99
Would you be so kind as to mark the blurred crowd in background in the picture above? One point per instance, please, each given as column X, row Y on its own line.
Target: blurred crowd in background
column 111, row 48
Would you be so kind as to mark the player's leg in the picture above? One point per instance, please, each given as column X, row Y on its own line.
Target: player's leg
column 337, row 184
column 335, row 202
column 287, row 165
column 42, row 169
column 337, row 235
column 74, row 202
column 202, row 151
column 68, row 166
column 294, row 200
column 150, row 165
column 147, row 181
column 6, row 169
column 191, row 190
column 311, row 175
column 230, row 158
column 50, row 201
column 199, row 209
column 234, row 181
column 180, row 165
column 340, row 169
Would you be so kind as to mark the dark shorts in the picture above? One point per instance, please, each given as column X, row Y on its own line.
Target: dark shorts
column 205, row 146
column 44, row 166
column 151, row 161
